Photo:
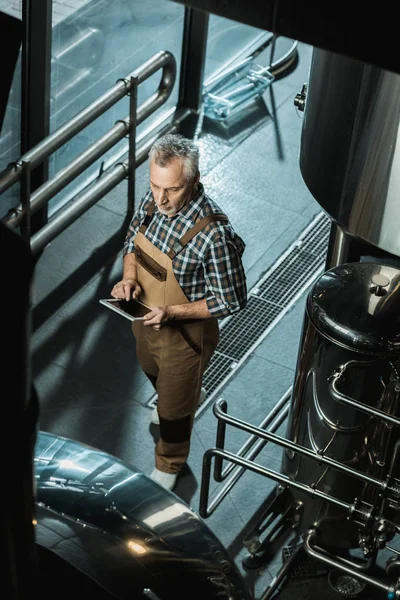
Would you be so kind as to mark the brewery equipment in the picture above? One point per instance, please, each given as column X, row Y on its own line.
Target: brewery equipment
column 105, row 530
column 349, row 156
column 345, row 406
column 339, row 481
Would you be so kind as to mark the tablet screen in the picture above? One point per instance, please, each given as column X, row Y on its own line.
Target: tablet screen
column 131, row 309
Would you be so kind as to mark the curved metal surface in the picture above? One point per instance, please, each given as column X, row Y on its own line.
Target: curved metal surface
column 341, row 327
column 370, row 294
column 334, row 561
column 125, row 531
column 349, row 154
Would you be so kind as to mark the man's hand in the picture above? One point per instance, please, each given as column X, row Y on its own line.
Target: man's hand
column 126, row 288
column 161, row 315
column 158, row 317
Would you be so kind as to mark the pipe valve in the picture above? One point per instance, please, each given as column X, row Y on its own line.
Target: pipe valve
column 300, row 99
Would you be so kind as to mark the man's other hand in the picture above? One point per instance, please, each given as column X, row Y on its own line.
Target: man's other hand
column 158, row 317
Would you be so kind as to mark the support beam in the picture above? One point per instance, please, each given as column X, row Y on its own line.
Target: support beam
column 333, row 26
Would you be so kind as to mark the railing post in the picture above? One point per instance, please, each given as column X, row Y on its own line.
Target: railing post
column 25, row 194
column 132, row 145
column 220, row 442
column 194, row 48
column 35, row 91
column 161, row 60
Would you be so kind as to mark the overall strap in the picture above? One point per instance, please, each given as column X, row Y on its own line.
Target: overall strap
column 148, row 217
column 189, row 235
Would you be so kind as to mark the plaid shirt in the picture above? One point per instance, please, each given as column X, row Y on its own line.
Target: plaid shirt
column 210, row 265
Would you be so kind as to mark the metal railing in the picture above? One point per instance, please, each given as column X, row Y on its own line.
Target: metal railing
column 259, row 436
column 20, row 171
column 244, row 458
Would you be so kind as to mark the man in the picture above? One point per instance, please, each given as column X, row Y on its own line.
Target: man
column 182, row 258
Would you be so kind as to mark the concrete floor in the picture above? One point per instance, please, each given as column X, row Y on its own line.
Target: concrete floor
column 89, row 384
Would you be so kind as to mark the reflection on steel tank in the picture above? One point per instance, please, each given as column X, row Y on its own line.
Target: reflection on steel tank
column 105, row 530
column 349, row 155
column 345, row 406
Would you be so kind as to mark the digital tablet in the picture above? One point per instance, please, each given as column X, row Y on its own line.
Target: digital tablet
column 130, row 309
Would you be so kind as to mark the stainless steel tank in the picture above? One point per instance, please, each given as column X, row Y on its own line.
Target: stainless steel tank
column 347, row 381
column 105, row 530
column 349, row 154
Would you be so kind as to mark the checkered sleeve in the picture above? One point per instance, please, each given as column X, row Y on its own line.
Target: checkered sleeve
column 135, row 223
column 225, row 278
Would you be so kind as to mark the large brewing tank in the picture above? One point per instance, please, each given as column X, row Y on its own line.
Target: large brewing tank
column 105, row 530
column 349, row 348
column 349, row 152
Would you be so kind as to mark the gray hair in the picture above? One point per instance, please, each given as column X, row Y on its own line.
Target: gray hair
column 175, row 145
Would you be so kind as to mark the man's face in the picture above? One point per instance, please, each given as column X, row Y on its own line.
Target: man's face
column 171, row 191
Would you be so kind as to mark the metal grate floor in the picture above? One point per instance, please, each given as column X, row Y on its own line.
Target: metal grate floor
column 268, row 301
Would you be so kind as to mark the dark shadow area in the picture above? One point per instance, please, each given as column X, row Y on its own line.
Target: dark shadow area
column 101, row 257
column 154, row 432
column 83, row 385
column 262, row 538
column 278, row 136
column 10, row 42
column 52, row 569
column 309, row 579
column 186, row 485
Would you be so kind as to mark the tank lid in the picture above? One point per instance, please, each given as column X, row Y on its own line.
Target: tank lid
column 358, row 306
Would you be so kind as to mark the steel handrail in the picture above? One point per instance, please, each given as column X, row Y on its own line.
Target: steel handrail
column 239, row 460
column 161, row 60
column 334, row 561
column 295, row 447
column 98, row 190
column 250, row 450
column 205, row 510
column 272, row 421
column 369, row 410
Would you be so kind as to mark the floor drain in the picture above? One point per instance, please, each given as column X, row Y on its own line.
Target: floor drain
column 344, row 584
column 305, row 567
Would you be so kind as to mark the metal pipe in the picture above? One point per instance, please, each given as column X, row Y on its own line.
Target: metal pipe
column 375, row 412
column 205, row 511
column 220, row 475
column 256, row 449
column 359, row 566
column 394, row 461
column 339, row 248
column 280, row 441
column 25, row 199
column 90, row 155
column 79, row 164
column 220, row 443
column 331, row 560
column 63, row 134
column 255, row 443
column 284, row 61
column 69, row 214
column 132, row 147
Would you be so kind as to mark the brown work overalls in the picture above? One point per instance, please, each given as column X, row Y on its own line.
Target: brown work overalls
column 176, row 356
